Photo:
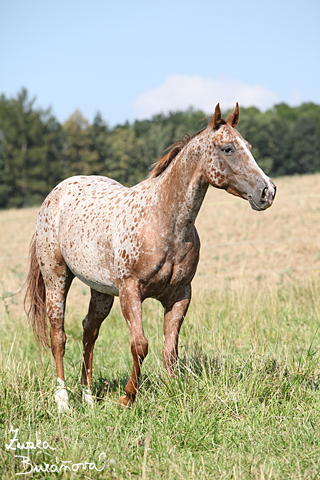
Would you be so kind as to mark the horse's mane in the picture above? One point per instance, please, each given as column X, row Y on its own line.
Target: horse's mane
column 164, row 162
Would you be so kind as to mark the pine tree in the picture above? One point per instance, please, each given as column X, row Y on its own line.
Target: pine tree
column 80, row 157
column 30, row 151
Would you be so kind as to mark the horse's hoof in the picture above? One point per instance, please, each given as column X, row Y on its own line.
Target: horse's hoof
column 126, row 401
column 63, row 407
column 87, row 397
column 61, row 399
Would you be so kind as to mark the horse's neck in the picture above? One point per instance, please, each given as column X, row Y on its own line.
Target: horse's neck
column 181, row 191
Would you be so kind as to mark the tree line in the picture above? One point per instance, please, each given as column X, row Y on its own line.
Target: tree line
column 37, row 152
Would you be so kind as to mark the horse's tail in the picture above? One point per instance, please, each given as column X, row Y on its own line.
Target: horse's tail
column 35, row 299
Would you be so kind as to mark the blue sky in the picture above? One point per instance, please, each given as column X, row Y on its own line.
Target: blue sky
column 131, row 59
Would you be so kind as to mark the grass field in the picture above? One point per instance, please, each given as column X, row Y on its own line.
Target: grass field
column 246, row 404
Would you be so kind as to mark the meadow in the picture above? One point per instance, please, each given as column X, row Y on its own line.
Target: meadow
column 246, row 403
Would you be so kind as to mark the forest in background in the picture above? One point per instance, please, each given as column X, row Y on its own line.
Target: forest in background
column 37, row 152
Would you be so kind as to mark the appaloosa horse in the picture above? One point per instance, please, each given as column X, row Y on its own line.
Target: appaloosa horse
column 134, row 243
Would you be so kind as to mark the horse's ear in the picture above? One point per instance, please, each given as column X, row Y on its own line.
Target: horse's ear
column 233, row 118
column 215, row 120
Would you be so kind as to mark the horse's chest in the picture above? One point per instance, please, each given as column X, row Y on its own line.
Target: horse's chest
column 176, row 270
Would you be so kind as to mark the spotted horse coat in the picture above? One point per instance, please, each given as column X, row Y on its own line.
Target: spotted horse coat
column 134, row 243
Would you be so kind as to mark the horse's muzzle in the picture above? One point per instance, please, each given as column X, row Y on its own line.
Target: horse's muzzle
column 263, row 197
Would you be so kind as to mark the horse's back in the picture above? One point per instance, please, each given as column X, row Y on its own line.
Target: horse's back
column 67, row 228
column 74, row 194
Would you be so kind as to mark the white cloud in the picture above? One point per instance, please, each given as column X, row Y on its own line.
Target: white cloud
column 179, row 92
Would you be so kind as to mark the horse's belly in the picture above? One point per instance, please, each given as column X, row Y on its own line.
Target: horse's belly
column 100, row 286
column 94, row 272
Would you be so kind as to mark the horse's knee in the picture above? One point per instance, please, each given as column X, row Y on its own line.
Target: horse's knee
column 139, row 348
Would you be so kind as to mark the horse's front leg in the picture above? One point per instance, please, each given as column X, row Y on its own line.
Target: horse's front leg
column 130, row 301
column 175, row 311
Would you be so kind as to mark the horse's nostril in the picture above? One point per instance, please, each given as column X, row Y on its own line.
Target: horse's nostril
column 264, row 193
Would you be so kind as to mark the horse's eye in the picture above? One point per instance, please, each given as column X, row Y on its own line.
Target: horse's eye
column 227, row 150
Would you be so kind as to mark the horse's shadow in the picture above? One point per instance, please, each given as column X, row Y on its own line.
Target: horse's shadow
column 104, row 386
column 190, row 366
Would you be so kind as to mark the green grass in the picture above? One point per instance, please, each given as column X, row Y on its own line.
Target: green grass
column 245, row 405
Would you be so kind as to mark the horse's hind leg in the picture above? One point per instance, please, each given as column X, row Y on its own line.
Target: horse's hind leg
column 175, row 311
column 57, row 287
column 99, row 308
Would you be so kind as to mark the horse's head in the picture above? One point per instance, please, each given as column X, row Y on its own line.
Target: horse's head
column 228, row 163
